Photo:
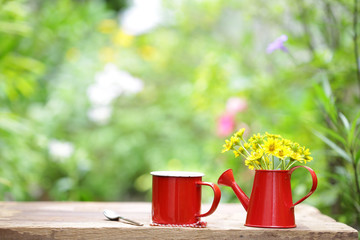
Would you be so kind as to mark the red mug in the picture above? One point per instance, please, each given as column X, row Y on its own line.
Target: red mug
column 176, row 197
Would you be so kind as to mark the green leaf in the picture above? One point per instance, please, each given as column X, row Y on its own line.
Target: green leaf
column 345, row 121
column 333, row 145
column 332, row 133
column 352, row 132
column 327, row 103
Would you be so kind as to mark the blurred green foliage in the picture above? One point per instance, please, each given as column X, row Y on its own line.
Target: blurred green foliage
column 199, row 56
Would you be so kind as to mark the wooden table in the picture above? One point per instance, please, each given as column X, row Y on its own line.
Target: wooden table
column 85, row 220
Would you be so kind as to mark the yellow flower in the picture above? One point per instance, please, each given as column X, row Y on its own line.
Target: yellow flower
column 253, row 160
column 275, row 136
column 241, row 150
column 296, row 156
column 271, row 146
column 256, row 139
column 295, row 147
column 240, row 133
column 255, row 155
column 282, row 152
column 250, row 164
column 236, row 153
column 308, row 159
column 255, row 147
column 306, row 154
column 287, row 142
column 234, row 140
column 304, row 151
column 246, row 145
column 227, row 146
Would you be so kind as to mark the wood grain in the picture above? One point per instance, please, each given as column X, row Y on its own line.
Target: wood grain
column 84, row 220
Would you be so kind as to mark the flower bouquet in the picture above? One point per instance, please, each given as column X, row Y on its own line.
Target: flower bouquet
column 268, row 151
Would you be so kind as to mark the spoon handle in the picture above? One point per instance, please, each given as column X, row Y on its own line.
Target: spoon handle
column 131, row 221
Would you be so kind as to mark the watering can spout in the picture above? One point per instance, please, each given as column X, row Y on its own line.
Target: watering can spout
column 227, row 179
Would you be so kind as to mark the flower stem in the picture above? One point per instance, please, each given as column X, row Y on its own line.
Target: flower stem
column 244, row 148
column 264, row 163
column 241, row 153
column 290, row 165
column 257, row 166
column 278, row 165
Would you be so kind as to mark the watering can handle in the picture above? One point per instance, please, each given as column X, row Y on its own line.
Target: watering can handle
column 314, row 185
column 217, row 196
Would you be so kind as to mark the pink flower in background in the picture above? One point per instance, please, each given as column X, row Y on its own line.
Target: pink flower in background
column 278, row 44
column 226, row 125
column 235, row 105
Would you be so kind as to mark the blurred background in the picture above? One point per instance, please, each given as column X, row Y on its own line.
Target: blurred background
column 96, row 94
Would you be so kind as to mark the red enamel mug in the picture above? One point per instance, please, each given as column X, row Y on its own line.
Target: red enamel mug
column 176, row 197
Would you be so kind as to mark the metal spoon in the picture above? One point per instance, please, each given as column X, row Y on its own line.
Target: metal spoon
column 113, row 216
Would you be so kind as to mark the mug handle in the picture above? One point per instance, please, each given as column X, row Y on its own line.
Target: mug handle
column 217, row 196
column 314, row 185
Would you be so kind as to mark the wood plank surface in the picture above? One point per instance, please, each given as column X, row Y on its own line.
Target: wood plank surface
column 85, row 220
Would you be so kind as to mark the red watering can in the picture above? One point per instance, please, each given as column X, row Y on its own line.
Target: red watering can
column 271, row 204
